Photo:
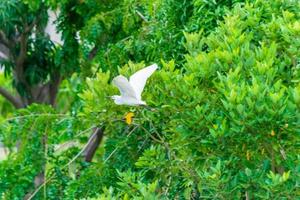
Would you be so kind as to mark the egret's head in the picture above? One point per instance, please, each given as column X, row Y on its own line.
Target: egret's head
column 117, row 99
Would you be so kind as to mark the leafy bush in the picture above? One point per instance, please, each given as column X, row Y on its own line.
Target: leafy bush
column 226, row 125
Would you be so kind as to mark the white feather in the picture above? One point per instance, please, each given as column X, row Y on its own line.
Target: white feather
column 131, row 91
column 124, row 86
column 138, row 79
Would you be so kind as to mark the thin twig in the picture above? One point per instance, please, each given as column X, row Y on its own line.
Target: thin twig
column 168, row 185
column 84, row 131
column 152, row 137
column 140, row 148
column 141, row 16
column 80, row 152
column 162, row 139
column 131, row 131
column 112, row 153
column 36, row 115
column 42, row 185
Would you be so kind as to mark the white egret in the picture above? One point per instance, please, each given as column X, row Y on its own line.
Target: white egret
column 131, row 91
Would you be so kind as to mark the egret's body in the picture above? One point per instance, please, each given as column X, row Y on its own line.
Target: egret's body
column 119, row 100
column 131, row 91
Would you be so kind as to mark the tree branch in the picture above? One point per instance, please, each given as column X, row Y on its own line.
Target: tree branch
column 12, row 99
column 42, row 93
column 19, row 68
column 93, row 144
column 22, row 55
column 93, row 53
column 4, row 40
column 53, row 89
column 96, row 48
column 29, row 27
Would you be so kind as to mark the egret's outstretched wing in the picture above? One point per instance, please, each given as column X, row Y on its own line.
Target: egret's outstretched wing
column 138, row 79
column 124, row 86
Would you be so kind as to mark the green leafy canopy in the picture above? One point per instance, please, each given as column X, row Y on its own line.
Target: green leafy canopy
column 223, row 116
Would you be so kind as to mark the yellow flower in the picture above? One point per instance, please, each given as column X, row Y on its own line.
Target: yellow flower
column 128, row 118
column 272, row 133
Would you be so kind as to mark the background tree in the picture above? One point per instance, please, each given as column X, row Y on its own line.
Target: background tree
column 29, row 53
column 36, row 65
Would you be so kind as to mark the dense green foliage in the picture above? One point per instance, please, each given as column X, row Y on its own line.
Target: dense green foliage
column 223, row 116
column 138, row 30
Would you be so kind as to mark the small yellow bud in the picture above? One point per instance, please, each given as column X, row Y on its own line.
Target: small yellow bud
column 272, row 133
column 215, row 126
column 128, row 118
